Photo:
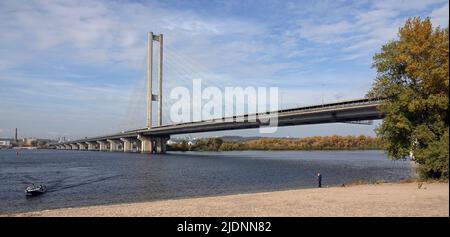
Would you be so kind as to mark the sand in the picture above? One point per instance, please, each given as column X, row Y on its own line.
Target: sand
column 387, row 199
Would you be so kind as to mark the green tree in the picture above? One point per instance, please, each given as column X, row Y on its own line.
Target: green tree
column 41, row 143
column 34, row 143
column 184, row 145
column 412, row 73
column 215, row 143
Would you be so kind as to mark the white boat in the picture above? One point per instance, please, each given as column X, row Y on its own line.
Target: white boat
column 35, row 190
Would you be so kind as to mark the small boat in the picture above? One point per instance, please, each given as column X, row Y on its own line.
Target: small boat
column 35, row 190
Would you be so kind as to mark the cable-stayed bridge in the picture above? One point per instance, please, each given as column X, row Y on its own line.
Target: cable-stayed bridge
column 153, row 139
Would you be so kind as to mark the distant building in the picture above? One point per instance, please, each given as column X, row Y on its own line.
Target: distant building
column 5, row 143
column 29, row 141
column 172, row 142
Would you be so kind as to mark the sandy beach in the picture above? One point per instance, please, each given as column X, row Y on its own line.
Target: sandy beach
column 387, row 199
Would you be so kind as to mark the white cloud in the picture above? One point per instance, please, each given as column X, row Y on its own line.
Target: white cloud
column 325, row 33
column 364, row 30
column 102, row 32
column 440, row 16
column 405, row 5
column 375, row 15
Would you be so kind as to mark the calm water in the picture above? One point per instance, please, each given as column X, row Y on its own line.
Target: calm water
column 81, row 178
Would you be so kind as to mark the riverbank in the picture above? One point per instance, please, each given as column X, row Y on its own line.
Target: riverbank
column 316, row 143
column 386, row 199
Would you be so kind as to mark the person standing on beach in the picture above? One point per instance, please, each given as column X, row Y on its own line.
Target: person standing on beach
column 319, row 179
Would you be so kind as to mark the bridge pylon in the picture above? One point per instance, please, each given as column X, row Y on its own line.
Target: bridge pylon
column 150, row 96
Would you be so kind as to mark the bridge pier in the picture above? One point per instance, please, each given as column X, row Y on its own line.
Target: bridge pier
column 153, row 144
column 158, row 145
column 136, row 144
column 74, row 146
column 113, row 145
column 81, row 146
column 161, row 144
column 91, row 146
column 146, row 143
column 102, row 145
column 67, row 147
column 127, row 144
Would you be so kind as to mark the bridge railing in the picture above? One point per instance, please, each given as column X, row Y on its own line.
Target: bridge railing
column 305, row 108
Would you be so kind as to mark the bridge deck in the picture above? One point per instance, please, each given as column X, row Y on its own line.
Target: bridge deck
column 354, row 110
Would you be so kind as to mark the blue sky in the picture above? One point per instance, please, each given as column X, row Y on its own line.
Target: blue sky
column 77, row 68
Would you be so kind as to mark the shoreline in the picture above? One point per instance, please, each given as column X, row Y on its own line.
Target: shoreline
column 379, row 199
column 268, row 150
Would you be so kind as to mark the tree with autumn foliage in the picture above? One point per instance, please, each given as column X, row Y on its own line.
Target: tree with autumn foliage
column 412, row 74
column 334, row 142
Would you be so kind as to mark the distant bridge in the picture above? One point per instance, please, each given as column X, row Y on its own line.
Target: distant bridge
column 154, row 139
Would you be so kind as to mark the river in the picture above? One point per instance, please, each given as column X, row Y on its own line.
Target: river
column 85, row 178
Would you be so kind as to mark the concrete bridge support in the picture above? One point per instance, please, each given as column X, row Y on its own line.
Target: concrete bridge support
column 102, row 145
column 113, row 145
column 135, row 146
column 74, row 146
column 146, row 144
column 151, row 144
column 67, row 147
column 127, row 144
column 91, row 146
column 161, row 144
column 81, row 146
